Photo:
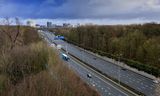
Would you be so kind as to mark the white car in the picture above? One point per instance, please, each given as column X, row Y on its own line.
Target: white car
column 93, row 84
column 155, row 81
column 53, row 45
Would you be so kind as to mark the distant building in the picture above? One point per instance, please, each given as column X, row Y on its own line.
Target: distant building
column 49, row 24
column 89, row 24
column 67, row 25
column 42, row 26
column 54, row 25
column 38, row 26
column 58, row 26
column 77, row 25
column 31, row 23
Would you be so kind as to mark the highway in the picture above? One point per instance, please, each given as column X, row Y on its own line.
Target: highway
column 104, row 87
column 97, row 81
column 130, row 78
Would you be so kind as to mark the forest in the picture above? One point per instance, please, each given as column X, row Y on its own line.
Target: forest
column 137, row 45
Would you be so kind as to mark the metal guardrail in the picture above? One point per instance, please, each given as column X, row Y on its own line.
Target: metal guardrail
column 115, row 81
column 122, row 85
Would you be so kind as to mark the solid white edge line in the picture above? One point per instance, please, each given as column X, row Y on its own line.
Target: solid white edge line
column 100, row 78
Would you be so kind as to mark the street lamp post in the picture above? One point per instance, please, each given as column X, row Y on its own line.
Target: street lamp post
column 81, row 51
column 81, row 54
column 66, row 49
column 119, row 68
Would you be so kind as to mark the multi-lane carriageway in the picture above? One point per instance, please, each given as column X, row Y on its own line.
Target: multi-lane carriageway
column 105, row 87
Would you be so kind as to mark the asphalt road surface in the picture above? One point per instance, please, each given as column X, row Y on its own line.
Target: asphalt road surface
column 102, row 86
column 132, row 79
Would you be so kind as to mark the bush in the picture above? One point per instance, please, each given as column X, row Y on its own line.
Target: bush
column 31, row 68
column 42, row 84
column 26, row 60
column 57, row 80
column 30, row 35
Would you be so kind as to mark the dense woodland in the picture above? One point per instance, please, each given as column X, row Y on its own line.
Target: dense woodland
column 29, row 67
column 136, row 45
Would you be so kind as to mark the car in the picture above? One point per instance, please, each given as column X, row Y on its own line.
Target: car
column 93, row 84
column 89, row 75
column 155, row 81
column 124, row 69
column 52, row 45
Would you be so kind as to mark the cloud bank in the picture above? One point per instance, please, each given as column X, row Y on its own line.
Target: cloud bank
column 82, row 9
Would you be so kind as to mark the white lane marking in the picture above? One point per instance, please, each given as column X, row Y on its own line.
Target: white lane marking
column 146, row 86
column 100, row 78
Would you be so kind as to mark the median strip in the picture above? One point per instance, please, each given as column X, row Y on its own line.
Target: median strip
column 121, row 85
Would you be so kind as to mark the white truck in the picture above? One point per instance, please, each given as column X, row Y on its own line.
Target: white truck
column 65, row 57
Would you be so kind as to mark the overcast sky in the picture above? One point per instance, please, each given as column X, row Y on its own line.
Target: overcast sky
column 96, row 11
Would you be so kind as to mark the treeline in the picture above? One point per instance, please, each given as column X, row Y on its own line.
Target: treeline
column 28, row 67
column 136, row 45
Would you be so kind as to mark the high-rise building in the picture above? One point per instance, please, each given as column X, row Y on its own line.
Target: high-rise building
column 49, row 24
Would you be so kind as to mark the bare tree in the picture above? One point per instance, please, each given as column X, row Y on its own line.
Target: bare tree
column 8, row 31
column 17, row 32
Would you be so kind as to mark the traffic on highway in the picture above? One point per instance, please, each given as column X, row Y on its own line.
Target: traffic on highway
column 134, row 80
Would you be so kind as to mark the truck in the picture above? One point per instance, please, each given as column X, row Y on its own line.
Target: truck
column 59, row 47
column 58, row 37
column 65, row 57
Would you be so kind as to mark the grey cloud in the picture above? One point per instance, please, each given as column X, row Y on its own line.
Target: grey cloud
column 94, row 9
column 124, row 9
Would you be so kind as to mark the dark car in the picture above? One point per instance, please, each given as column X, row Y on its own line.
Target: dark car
column 89, row 75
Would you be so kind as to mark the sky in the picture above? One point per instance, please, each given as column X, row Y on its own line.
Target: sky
column 83, row 11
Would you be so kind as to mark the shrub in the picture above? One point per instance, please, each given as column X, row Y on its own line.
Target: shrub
column 57, row 80
column 26, row 60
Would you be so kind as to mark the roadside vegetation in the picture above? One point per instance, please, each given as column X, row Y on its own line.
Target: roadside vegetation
column 136, row 45
column 28, row 67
